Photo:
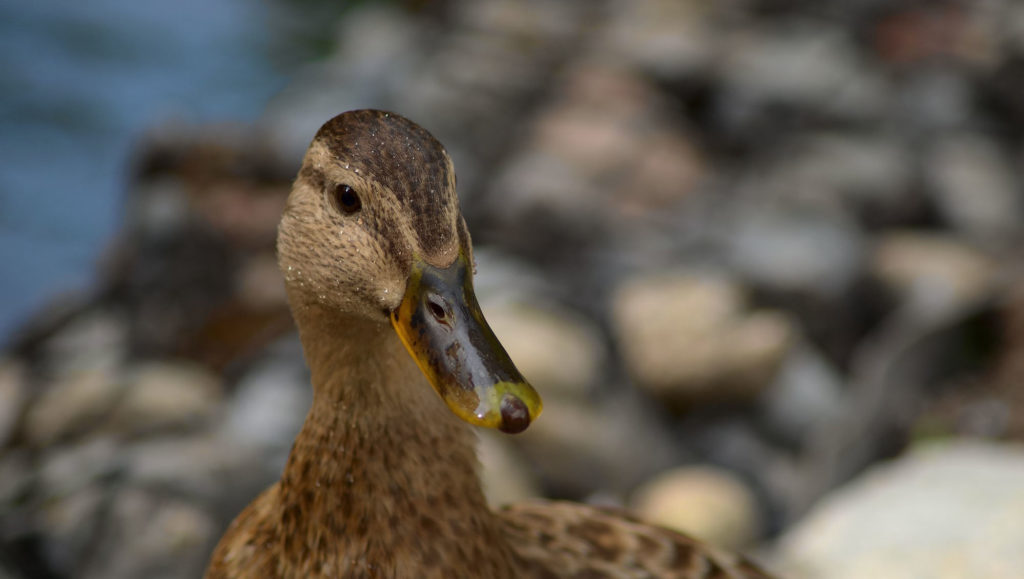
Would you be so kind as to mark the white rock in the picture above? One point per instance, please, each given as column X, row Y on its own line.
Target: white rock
column 704, row 501
column 952, row 510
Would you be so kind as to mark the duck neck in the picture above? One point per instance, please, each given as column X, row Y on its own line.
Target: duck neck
column 379, row 454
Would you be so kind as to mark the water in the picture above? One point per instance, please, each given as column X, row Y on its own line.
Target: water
column 79, row 83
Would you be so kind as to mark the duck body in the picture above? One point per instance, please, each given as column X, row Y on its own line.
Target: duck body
column 381, row 481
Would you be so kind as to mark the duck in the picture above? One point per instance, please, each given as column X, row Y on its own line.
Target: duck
column 382, row 481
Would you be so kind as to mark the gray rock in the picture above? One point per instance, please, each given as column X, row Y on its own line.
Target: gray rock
column 74, row 403
column 707, row 502
column 270, row 403
column 807, row 253
column 151, row 536
column 811, row 66
column 807, row 392
column 687, row 338
column 582, row 448
column 67, row 469
column 163, row 396
column 203, row 466
column 834, row 171
column 950, row 510
column 671, row 38
column 96, row 341
column 975, row 187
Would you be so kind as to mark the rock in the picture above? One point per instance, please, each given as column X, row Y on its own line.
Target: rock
column 808, row 254
column 74, row 403
column 707, row 502
column 808, row 391
column 150, row 536
column 203, row 466
column 835, row 170
column 974, row 187
column 96, row 341
column 505, row 477
column 67, row 469
column 812, row 67
column 950, row 510
column 261, row 286
column 69, row 526
column 686, row 338
column 162, row 396
column 560, row 354
column 578, row 449
column 937, row 270
column 670, row 38
column 270, row 402
column 13, row 395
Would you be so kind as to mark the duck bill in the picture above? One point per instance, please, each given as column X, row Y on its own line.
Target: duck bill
column 440, row 323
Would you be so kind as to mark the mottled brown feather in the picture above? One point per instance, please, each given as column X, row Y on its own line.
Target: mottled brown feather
column 382, row 479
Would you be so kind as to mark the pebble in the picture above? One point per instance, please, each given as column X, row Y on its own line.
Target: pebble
column 940, row 271
column 686, row 338
column 951, row 510
column 974, row 187
column 559, row 354
column 506, row 478
column 704, row 501
column 74, row 403
column 808, row 392
column 165, row 396
column 805, row 253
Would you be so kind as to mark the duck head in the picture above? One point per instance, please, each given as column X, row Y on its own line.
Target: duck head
column 372, row 229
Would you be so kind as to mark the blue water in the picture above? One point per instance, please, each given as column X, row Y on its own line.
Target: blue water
column 79, row 82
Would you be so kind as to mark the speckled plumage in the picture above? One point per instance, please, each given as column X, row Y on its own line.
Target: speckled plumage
column 382, row 480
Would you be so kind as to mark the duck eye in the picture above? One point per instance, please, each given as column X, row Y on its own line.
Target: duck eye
column 346, row 199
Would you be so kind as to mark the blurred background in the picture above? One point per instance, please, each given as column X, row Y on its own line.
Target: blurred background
column 762, row 258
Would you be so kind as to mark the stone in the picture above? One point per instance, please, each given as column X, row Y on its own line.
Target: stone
column 67, row 469
column 707, row 502
column 95, row 341
column 812, row 67
column 974, row 187
column 560, row 354
column 74, row 403
column 68, row 525
column 269, row 403
column 806, row 253
column 260, row 284
column 147, row 535
column 201, row 466
column 673, row 39
column 13, row 396
column 578, row 448
column 938, row 270
column 163, row 396
column 686, row 338
column 506, row 478
column 808, row 392
column 950, row 509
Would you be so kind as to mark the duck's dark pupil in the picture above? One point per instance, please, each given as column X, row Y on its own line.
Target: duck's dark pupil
column 348, row 199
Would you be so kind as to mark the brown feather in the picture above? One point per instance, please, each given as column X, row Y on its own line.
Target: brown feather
column 382, row 480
